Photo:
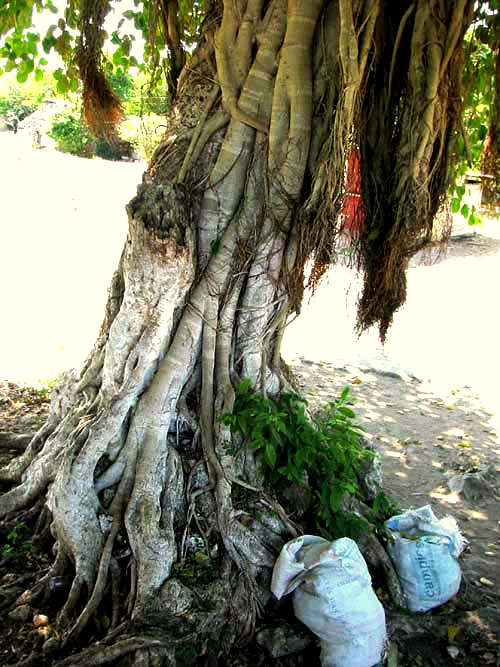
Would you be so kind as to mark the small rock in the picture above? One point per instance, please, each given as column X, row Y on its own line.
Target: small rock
column 40, row 620
column 21, row 613
column 283, row 640
column 486, row 582
column 58, row 585
column 42, row 631
column 472, row 485
column 24, row 598
column 453, row 651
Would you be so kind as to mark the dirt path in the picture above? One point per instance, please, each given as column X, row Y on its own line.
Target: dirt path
column 447, row 333
column 425, row 440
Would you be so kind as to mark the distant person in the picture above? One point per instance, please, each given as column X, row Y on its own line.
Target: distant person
column 36, row 139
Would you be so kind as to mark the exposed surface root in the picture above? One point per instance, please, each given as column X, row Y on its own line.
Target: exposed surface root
column 105, row 655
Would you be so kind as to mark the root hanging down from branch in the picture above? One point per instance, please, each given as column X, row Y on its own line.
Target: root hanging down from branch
column 396, row 104
column 407, row 142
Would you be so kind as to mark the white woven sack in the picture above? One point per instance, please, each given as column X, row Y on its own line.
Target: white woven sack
column 425, row 553
column 333, row 596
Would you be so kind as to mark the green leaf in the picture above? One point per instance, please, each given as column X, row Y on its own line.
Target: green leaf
column 336, row 495
column 347, row 412
column 245, row 387
column 345, row 393
column 22, row 77
column 474, row 219
column 455, row 205
column 465, row 211
column 61, row 87
column 270, row 455
column 50, row 6
column 38, row 74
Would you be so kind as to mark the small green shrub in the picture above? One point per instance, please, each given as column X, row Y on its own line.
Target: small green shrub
column 15, row 107
column 71, row 134
column 326, row 450
column 115, row 149
column 14, row 542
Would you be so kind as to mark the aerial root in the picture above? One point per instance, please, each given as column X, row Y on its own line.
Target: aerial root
column 202, row 133
column 71, row 602
column 115, row 592
column 104, row 655
column 17, row 441
column 130, row 602
column 20, row 496
column 107, row 564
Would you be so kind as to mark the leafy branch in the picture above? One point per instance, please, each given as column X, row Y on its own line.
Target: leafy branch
column 324, row 452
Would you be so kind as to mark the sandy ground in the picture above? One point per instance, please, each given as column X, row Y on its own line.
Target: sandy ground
column 446, row 334
column 63, row 224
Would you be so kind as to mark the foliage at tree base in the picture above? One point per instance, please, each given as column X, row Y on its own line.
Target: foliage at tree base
column 313, row 463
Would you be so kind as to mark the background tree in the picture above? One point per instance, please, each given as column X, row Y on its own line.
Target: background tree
column 136, row 461
column 478, row 149
column 491, row 152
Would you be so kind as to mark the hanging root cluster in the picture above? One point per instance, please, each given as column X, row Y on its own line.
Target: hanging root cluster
column 408, row 132
column 158, row 510
column 101, row 105
column 388, row 124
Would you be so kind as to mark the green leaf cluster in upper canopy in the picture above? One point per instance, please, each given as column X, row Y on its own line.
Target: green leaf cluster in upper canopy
column 162, row 25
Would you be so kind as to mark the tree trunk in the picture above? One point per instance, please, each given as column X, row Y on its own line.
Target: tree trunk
column 139, row 472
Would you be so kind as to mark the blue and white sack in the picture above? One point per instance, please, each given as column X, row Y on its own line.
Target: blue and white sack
column 333, row 596
column 425, row 553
